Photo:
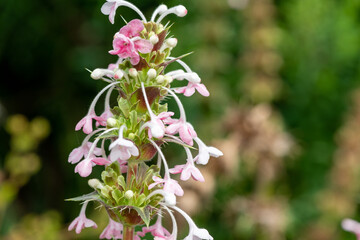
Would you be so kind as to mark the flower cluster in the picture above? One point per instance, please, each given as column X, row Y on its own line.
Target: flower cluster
column 131, row 133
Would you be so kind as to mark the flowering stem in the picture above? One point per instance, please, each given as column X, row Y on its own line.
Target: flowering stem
column 128, row 232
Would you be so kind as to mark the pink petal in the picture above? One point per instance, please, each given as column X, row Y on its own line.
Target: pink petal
column 100, row 161
column 189, row 91
column 196, row 174
column 76, row 155
column 132, row 29
column 80, row 124
column 201, row 88
column 180, row 90
column 134, row 59
column 177, row 169
column 84, row 168
column 143, row 46
column 87, row 128
column 185, row 135
column 186, row 174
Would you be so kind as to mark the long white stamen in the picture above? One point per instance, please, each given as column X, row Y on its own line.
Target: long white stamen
column 133, row 7
column 107, row 98
column 167, row 173
column 182, row 63
column 179, row 10
column 159, row 161
column 92, row 106
column 91, row 134
column 181, row 107
column 152, row 115
column 187, row 217
column 159, row 10
column 174, row 231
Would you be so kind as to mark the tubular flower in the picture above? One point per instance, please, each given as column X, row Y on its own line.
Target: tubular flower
column 135, row 128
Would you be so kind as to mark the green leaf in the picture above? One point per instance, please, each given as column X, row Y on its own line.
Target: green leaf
column 94, row 196
column 117, row 195
column 144, row 213
column 124, row 106
column 121, row 181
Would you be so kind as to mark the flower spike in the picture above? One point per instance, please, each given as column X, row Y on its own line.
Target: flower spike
column 132, row 188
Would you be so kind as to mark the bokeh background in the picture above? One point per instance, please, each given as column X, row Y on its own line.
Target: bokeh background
column 284, row 108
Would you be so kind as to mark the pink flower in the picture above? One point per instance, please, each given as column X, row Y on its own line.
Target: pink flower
column 188, row 170
column 78, row 153
column 127, row 42
column 185, row 130
column 81, row 221
column 189, row 90
column 86, row 122
column 205, row 152
column 157, row 230
column 84, row 168
column 103, row 117
column 123, row 149
column 170, row 185
column 112, row 230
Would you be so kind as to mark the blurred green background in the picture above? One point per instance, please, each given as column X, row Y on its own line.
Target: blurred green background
column 284, row 108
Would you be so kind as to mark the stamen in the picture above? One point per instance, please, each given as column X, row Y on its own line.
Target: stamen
column 181, row 107
column 92, row 106
column 159, row 10
column 133, row 7
column 174, row 231
column 167, row 173
column 179, row 11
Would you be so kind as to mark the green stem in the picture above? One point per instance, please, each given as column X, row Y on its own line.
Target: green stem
column 128, row 232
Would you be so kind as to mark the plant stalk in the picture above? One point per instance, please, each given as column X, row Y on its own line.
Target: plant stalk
column 128, row 232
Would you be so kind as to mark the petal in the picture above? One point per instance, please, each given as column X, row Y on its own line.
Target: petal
column 202, row 90
column 106, row 8
column 134, row 59
column 87, row 128
column 189, row 91
column 196, row 174
column 186, row 174
column 143, row 46
column 76, row 155
column 134, row 151
column 133, row 28
column 100, row 161
column 180, row 90
column 84, row 168
column 80, row 124
column 185, row 135
column 73, row 224
column 214, row 152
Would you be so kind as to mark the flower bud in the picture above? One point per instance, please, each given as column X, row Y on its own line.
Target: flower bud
column 171, row 42
column 132, row 136
column 160, row 79
column 97, row 74
column 118, row 74
column 151, row 73
column 111, row 122
column 129, row 194
column 95, row 184
column 180, row 11
column 154, row 39
column 133, row 72
column 168, row 79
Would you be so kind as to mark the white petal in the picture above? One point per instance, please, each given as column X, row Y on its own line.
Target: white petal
column 214, row 152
